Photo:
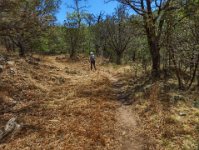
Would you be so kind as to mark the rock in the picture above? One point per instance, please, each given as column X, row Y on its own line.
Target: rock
column 3, row 59
column 14, row 102
column 33, row 62
column 54, row 120
column 12, row 70
column 123, row 133
column 11, row 124
column 16, row 129
column 11, row 128
column 10, row 63
column 182, row 114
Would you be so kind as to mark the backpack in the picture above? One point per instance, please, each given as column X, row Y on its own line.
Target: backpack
column 92, row 57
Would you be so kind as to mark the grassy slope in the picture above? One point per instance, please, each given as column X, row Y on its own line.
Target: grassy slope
column 62, row 104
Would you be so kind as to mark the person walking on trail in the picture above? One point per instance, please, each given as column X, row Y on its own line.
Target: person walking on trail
column 92, row 61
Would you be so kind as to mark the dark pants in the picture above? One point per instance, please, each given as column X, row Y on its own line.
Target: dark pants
column 93, row 65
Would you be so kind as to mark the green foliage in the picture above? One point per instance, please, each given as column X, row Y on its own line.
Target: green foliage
column 25, row 22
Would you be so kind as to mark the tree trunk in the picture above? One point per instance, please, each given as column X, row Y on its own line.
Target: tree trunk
column 133, row 56
column 144, row 64
column 72, row 54
column 180, row 84
column 156, row 63
column 194, row 72
column 155, row 55
column 21, row 50
column 7, row 44
column 119, row 59
column 169, row 58
column 153, row 42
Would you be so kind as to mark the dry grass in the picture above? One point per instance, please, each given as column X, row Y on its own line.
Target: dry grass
column 164, row 128
column 59, row 108
column 64, row 105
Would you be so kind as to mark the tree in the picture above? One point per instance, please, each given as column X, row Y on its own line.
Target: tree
column 88, row 44
column 23, row 22
column 119, row 35
column 191, row 9
column 153, row 13
column 100, row 34
column 74, row 29
column 180, row 38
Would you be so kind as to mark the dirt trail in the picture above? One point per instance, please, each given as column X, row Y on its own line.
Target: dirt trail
column 125, row 119
column 127, row 125
column 75, row 109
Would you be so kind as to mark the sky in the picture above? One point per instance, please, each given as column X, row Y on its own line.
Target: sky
column 92, row 6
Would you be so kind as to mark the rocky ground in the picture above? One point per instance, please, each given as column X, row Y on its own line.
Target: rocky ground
column 61, row 104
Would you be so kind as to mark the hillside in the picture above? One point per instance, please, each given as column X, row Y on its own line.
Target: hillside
column 61, row 104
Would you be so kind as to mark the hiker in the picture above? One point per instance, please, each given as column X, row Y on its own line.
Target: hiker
column 92, row 60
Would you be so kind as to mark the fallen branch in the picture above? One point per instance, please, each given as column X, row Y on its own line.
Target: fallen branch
column 11, row 127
